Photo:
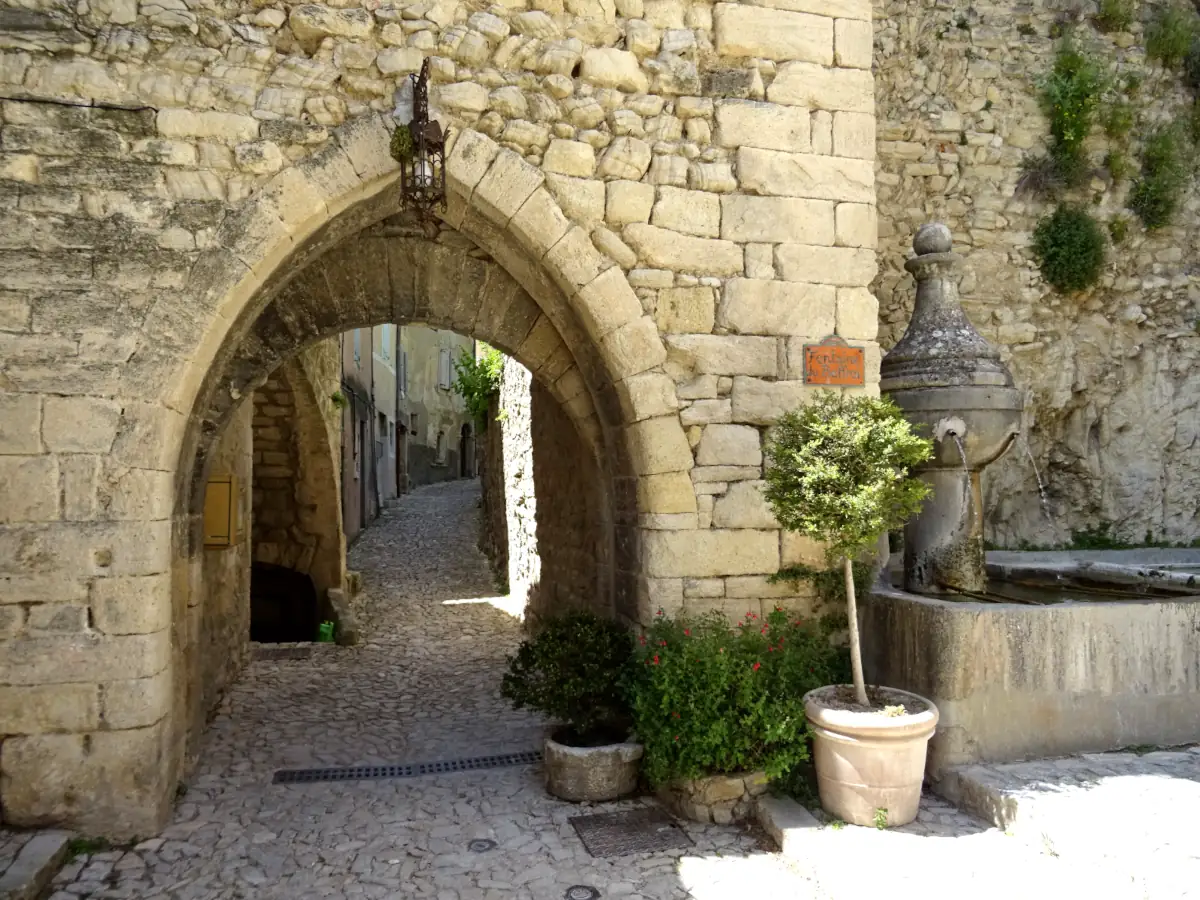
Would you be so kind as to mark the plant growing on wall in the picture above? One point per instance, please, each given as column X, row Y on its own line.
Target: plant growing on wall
column 1069, row 245
column 1070, row 95
column 1169, row 36
column 1166, row 170
column 477, row 380
column 839, row 473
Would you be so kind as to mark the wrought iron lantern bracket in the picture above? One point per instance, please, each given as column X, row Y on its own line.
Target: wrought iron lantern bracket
column 423, row 160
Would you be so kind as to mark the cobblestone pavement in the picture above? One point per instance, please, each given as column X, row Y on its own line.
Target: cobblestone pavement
column 424, row 687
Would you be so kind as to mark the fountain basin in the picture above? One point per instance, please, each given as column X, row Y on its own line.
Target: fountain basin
column 1017, row 681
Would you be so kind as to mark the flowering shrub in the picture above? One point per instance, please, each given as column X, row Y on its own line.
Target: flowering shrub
column 709, row 699
column 574, row 670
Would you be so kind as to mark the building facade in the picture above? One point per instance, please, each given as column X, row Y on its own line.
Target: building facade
column 370, row 472
column 440, row 436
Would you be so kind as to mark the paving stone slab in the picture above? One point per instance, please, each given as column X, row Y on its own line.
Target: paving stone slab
column 30, row 868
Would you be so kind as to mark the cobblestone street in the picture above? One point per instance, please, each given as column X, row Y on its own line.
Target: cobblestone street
column 424, row 687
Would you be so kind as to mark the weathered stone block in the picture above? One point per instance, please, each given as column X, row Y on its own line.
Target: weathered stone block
column 28, row 489
column 806, row 175
column 607, row 302
column 853, row 43
column 857, row 314
column 729, row 445
column 509, row 182
column 854, row 135
column 645, row 396
column 539, row 224
column 709, row 553
column 754, row 306
column 665, row 249
column 137, row 703
column 857, row 225
column 60, row 659
column 755, row 32
column 814, row 86
column 581, row 199
column 743, row 506
column 626, row 158
column 20, row 423
column 659, row 445
column 667, row 493
column 763, row 402
column 632, row 348
column 777, row 219
column 689, row 212
column 746, row 123
column 611, row 68
column 37, row 709
column 53, row 778
column 227, row 127
column 131, row 605
column 628, row 202
column 842, row 266
column 570, row 158
column 686, row 310
column 723, row 354
column 707, row 412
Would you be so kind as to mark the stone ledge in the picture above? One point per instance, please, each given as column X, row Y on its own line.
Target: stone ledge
column 788, row 823
column 36, row 863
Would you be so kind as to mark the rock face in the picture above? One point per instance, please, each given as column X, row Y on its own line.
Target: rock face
column 1109, row 375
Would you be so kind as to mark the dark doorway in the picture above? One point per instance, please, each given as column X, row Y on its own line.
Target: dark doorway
column 464, row 452
column 283, row 605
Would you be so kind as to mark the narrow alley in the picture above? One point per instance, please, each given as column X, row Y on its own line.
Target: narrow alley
column 422, row 687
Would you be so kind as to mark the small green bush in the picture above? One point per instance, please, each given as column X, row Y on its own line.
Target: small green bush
column 1170, row 34
column 1070, row 95
column 1191, row 65
column 1118, row 120
column 1115, row 15
column 1118, row 166
column 1118, row 230
column 709, row 699
column 1069, row 244
column 1166, row 170
column 477, row 380
column 574, row 670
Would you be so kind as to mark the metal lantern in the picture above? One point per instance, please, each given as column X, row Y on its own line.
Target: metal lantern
column 423, row 166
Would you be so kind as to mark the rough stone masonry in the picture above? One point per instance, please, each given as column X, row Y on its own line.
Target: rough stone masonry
column 653, row 204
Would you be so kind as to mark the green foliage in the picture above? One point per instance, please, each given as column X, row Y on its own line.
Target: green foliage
column 82, row 846
column 1170, row 34
column 574, row 670
column 1117, row 163
column 1097, row 537
column 1118, row 120
column 338, row 399
column 401, row 145
column 881, row 817
column 1069, row 96
column 477, row 381
column 1115, row 15
column 707, row 699
column 1166, row 170
column 829, row 584
column 1069, row 244
column 1026, row 30
column 839, row 471
column 1118, row 230
column 1191, row 65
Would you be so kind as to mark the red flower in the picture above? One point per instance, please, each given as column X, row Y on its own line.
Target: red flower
column 676, row 737
column 764, row 630
column 688, row 632
column 757, row 666
column 656, row 659
column 779, row 609
column 770, row 649
column 675, row 715
column 662, row 643
column 642, row 640
column 661, row 612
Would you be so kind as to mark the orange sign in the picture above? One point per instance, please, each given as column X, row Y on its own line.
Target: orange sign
column 833, row 362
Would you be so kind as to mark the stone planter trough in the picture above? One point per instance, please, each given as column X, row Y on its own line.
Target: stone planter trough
column 716, row 798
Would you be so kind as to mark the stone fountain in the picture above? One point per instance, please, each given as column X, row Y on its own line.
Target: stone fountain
column 950, row 383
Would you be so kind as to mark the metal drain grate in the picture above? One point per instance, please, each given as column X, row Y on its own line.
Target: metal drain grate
column 646, row 830
column 271, row 653
column 407, row 770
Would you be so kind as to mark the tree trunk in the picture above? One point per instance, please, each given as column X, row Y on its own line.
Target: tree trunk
column 860, row 687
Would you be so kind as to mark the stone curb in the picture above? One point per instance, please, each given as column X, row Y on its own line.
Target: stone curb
column 36, row 863
column 789, row 824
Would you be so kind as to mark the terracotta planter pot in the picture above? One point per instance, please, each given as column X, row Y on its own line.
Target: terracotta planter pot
column 867, row 761
column 591, row 773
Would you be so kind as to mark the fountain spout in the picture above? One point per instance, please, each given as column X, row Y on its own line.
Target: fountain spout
column 953, row 386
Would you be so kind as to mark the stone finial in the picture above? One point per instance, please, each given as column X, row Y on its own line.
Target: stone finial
column 932, row 237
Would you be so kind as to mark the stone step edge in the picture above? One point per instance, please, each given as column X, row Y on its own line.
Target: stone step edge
column 36, row 864
column 972, row 789
column 789, row 824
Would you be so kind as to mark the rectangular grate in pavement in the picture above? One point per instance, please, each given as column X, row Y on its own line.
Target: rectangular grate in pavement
column 646, row 830
column 406, row 770
column 271, row 653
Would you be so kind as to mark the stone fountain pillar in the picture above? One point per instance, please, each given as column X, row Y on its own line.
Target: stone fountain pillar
column 952, row 385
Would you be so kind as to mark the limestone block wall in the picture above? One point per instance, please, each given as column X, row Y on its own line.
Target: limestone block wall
column 1110, row 375
column 524, row 564
column 652, row 205
column 493, row 519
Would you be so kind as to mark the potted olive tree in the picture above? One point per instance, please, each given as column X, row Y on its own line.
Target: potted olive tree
column 575, row 670
column 839, row 473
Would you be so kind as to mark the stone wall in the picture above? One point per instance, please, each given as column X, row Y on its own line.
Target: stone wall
column 493, row 518
column 520, row 496
column 1110, row 375
column 652, row 205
